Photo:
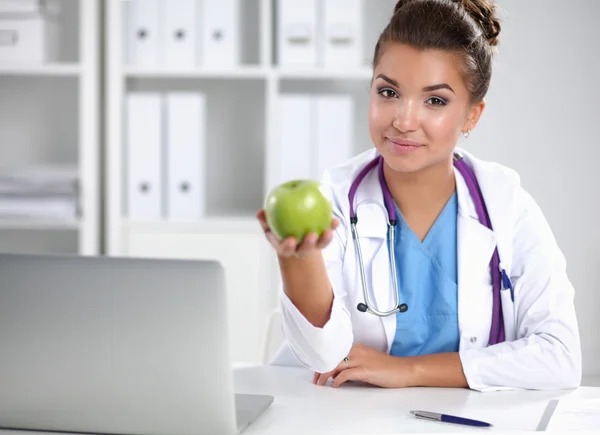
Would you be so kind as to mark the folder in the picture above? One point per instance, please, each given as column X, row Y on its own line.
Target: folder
column 142, row 28
column 333, row 131
column 297, row 32
column 29, row 38
column 342, row 42
column 292, row 154
column 220, row 35
column 186, row 155
column 179, row 33
column 143, row 144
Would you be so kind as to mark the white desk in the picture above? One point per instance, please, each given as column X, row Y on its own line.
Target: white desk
column 303, row 408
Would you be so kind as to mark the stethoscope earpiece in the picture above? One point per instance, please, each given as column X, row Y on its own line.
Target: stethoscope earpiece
column 403, row 308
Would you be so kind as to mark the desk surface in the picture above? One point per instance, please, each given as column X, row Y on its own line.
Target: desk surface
column 303, row 408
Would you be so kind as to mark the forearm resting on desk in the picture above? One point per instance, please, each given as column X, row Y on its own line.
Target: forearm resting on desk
column 438, row 370
column 306, row 283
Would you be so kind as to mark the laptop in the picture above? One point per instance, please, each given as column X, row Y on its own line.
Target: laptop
column 117, row 346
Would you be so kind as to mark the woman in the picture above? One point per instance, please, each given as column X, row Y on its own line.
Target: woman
column 432, row 68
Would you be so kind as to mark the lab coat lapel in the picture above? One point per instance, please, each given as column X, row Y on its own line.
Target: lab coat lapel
column 475, row 248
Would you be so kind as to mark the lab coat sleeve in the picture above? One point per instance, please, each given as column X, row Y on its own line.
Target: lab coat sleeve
column 322, row 349
column 546, row 354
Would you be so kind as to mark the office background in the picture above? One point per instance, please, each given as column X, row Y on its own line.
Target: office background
column 109, row 127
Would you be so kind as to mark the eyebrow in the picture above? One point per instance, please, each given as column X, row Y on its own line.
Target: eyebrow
column 425, row 89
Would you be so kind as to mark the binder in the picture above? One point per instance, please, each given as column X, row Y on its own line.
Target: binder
column 29, row 38
column 143, row 162
column 292, row 155
column 342, row 42
column 297, row 32
column 220, row 35
column 186, row 155
column 179, row 34
column 142, row 28
column 333, row 130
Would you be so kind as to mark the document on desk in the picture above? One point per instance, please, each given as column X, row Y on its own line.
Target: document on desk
column 571, row 415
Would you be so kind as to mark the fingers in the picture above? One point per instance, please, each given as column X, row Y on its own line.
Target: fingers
column 322, row 378
column 289, row 246
column 345, row 376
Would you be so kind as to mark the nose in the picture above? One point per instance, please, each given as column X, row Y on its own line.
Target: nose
column 406, row 117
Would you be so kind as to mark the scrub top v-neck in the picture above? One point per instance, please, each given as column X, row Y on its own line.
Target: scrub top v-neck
column 427, row 283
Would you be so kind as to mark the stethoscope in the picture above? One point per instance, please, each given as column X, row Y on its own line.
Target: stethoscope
column 498, row 274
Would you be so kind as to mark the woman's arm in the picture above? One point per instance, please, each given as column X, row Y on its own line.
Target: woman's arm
column 547, row 351
column 437, row 370
column 315, row 320
column 307, row 285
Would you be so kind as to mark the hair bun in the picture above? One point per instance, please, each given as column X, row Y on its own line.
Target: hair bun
column 484, row 13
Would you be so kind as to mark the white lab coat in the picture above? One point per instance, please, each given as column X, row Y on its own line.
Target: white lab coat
column 542, row 347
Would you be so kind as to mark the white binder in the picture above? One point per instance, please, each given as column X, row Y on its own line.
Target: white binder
column 342, row 42
column 142, row 28
column 186, row 155
column 292, row 154
column 143, row 144
column 179, row 33
column 297, row 32
column 220, row 35
column 333, row 130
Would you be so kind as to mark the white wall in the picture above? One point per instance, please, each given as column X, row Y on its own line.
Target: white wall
column 542, row 119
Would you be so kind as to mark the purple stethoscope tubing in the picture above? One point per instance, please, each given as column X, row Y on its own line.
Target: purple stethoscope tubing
column 499, row 276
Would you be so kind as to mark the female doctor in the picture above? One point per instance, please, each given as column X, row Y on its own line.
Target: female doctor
column 465, row 292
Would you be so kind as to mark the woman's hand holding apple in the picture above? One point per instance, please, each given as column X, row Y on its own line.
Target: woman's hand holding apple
column 297, row 218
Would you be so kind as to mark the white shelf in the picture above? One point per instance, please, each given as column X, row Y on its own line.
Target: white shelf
column 38, row 224
column 209, row 224
column 43, row 70
column 363, row 73
column 247, row 72
column 219, row 73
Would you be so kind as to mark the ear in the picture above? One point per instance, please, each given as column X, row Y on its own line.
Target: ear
column 473, row 116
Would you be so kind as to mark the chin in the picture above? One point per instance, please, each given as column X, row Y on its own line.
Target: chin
column 404, row 165
column 411, row 162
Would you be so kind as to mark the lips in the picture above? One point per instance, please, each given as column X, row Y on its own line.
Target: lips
column 403, row 142
column 403, row 146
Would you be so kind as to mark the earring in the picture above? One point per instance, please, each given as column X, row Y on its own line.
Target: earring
column 467, row 134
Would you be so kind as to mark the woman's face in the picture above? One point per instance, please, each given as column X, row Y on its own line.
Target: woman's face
column 419, row 105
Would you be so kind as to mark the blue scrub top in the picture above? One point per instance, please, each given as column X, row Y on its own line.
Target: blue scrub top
column 427, row 283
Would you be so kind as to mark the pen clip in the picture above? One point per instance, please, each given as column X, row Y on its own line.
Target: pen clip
column 426, row 415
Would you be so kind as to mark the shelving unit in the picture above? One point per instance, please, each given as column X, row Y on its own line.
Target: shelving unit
column 242, row 134
column 49, row 116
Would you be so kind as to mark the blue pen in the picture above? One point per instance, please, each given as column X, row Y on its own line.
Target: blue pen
column 448, row 418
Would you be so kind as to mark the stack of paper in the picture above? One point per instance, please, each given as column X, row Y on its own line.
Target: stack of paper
column 571, row 414
column 39, row 193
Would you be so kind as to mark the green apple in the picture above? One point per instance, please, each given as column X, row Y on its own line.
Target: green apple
column 296, row 208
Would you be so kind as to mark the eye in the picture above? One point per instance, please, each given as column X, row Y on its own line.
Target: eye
column 387, row 93
column 437, row 101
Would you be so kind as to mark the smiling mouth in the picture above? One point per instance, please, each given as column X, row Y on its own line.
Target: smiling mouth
column 404, row 143
column 403, row 146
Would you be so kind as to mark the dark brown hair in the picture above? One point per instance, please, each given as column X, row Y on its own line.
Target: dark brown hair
column 469, row 28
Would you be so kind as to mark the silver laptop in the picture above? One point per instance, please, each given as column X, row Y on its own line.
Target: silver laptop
column 117, row 346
